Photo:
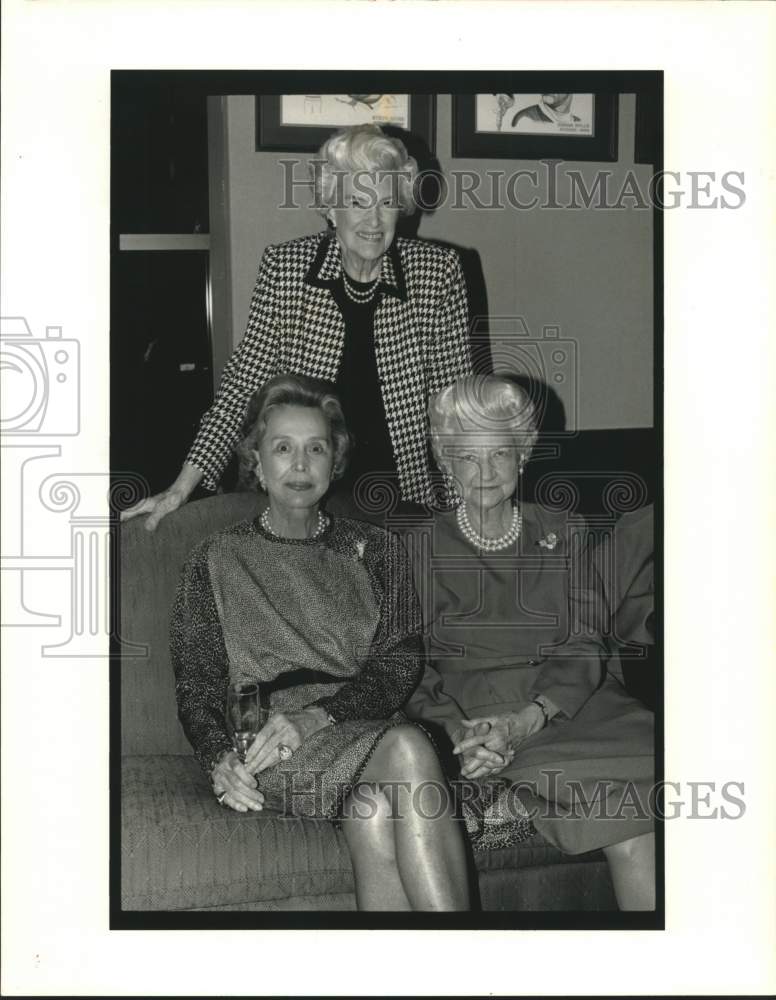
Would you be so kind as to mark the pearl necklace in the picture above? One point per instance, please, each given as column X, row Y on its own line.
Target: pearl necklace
column 356, row 294
column 323, row 524
column 489, row 544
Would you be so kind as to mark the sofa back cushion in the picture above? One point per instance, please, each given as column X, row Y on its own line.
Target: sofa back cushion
column 150, row 567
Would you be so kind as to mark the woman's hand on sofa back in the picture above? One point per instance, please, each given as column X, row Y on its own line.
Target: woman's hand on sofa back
column 161, row 504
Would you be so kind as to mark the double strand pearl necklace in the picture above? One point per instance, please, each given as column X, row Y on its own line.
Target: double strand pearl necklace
column 356, row 294
column 323, row 523
column 489, row 544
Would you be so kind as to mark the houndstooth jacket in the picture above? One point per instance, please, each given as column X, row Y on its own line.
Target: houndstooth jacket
column 295, row 325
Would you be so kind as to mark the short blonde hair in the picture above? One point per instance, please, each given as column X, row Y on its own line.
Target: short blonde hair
column 485, row 404
column 367, row 149
column 291, row 390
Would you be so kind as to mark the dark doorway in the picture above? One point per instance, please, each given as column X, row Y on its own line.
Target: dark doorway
column 161, row 354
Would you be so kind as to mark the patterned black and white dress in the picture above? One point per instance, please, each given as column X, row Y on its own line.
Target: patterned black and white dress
column 330, row 621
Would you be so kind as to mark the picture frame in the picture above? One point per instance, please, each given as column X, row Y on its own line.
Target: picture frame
column 302, row 122
column 574, row 126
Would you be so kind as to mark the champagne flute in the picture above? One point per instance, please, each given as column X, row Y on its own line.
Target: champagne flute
column 244, row 715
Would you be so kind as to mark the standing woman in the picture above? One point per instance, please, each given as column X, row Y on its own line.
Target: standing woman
column 385, row 319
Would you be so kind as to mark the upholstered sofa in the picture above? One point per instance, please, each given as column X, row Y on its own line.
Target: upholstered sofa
column 181, row 851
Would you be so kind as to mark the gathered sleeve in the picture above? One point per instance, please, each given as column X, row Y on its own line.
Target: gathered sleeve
column 395, row 661
column 576, row 669
column 429, row 701
column 250, row 366
column 451, row 352
column 200, row 662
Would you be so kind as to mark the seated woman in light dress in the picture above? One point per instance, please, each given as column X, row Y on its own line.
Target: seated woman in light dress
column 321, row 612
column 515, row 676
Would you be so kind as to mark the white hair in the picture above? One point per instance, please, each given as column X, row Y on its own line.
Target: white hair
column 485, row 404
column 367, row 149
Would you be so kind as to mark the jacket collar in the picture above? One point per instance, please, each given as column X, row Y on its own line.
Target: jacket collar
column 326, row 269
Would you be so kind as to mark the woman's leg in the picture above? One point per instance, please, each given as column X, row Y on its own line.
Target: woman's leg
column 632, row 866
column 428, row 842
column 368, row 829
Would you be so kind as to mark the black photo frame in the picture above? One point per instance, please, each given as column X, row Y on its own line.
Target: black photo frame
column 134, row 96
column 273, row 135
column 601, row 145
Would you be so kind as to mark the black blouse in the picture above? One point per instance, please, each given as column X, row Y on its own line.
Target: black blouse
column 359, row 389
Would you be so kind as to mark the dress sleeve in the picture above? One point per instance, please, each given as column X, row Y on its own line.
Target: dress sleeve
column 451, row 353
column 576, row 669
column 629, row 581
column 251, row 364
column 395, row 660
column 431, row 703
column 200, row 662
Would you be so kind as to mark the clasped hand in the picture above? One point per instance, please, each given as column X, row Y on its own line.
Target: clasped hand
column 487, row 745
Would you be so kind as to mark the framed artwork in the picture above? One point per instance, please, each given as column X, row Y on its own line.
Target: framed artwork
column 301, row 122
column 532, row 126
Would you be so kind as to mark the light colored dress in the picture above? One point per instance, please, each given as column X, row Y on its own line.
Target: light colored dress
column 502, row 628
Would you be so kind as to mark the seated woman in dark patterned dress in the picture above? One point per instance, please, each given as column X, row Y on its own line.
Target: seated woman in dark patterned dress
column 320, row 610
column 516, row 673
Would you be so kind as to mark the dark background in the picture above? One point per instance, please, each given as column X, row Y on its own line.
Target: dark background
column 161, row 349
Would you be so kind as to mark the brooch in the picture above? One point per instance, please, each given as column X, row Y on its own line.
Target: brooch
column 360, row 546
column 550, row 541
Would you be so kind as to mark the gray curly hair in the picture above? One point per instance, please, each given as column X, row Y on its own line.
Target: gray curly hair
column 365, row 149
column 486, row 404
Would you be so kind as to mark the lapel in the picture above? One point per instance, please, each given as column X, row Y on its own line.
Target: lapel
column 326, row 268
column 397, row 347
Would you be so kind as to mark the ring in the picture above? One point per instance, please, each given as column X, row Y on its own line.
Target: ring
column 220, row 798
column 285, row 752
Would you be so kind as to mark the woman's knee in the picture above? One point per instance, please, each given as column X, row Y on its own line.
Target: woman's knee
column 633, row 849
column 408, row 753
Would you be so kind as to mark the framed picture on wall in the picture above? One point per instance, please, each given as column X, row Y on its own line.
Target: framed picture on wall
column 533, row 126
column 301, row 122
